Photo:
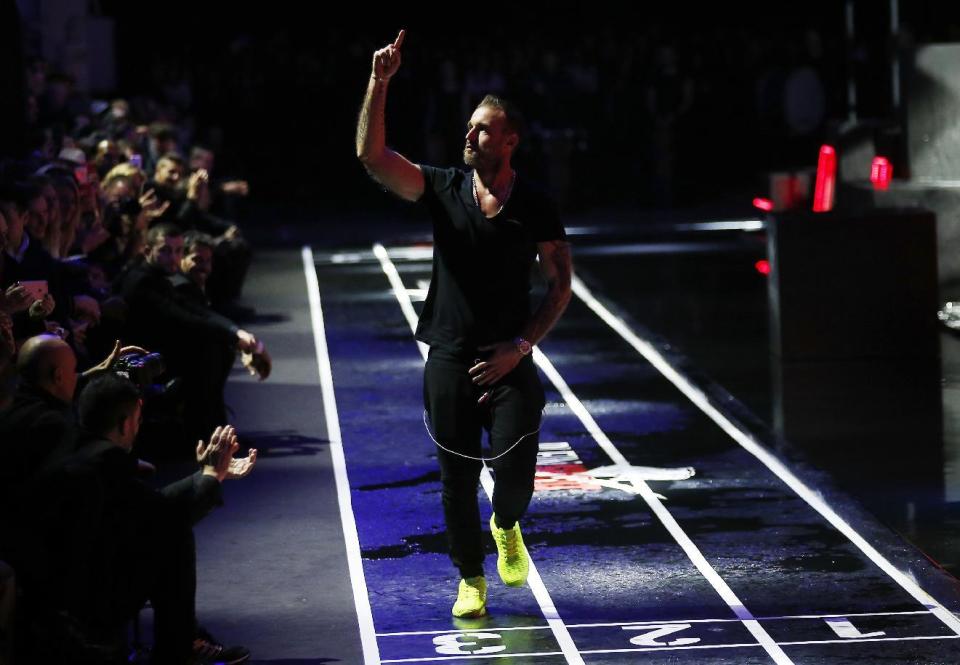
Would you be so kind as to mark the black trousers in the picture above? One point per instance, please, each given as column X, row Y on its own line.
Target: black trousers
column 93, row 565
column 154, row 560
column 456, row 422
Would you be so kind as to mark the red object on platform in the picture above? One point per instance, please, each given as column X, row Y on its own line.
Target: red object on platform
column 881, row 172
column 826, row 179
column 763, row 204
column 762, row 266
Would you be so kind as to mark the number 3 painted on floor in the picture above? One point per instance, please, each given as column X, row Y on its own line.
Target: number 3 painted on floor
column 451, row 645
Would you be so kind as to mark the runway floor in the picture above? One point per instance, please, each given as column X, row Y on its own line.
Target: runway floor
column 746, row 561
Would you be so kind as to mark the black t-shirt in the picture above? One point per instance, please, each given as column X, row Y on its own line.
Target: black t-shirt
column 480, row 289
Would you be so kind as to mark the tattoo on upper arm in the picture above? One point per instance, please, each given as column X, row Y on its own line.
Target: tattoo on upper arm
column 557, row 266
column 560, row 260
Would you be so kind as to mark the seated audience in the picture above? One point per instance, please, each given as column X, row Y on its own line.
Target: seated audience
column 199, row 344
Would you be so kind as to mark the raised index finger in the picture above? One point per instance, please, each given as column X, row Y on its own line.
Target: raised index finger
column 399, row 40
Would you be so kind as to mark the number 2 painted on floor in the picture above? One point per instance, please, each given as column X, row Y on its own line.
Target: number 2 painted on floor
column 649, row 638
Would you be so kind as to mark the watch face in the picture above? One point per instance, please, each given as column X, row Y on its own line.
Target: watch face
column 523, row 346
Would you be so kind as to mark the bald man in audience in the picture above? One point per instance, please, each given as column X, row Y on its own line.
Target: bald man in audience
column 39, row 429
column 39, row 426
column 36, row 432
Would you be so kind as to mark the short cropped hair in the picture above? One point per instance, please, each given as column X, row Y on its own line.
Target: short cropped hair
column 162, row 131
column 106, row 402
column 164, row 230
column 174, row 157
column 194, row 239
column 515, row 121
column 121, row 170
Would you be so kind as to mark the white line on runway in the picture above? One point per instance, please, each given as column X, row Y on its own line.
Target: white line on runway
column 721, row 225
column 772, row 618
column 786, row 644
column 368, row 639
column 471, row 657
column 742, row 437
column 547, row 607
column 693, row 647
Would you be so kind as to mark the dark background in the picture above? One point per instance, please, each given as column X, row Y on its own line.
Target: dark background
column 277, row 87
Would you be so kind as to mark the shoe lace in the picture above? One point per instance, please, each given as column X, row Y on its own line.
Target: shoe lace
column 509, row 541
column 471, row 591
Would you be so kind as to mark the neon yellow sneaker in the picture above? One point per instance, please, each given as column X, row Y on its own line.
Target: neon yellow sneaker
column 471, row 597
column 512, row 561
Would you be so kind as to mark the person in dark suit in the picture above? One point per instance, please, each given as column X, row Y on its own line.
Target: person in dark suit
column 37, row 433
column 196, row 267
column 198, row 344
column 136, row 543
column 38, row 428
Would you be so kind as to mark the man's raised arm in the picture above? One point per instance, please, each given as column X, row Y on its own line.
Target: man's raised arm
column 390, row 168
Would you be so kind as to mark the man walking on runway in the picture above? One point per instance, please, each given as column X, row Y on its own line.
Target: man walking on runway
column 489, row 226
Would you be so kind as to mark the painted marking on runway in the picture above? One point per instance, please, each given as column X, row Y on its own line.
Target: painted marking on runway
column 912, row 613
column 746, row 441
column 671, row 635
column 493, row 637
column 534, row 581
column 784, row 644
column 559, row 468
column 368, row 640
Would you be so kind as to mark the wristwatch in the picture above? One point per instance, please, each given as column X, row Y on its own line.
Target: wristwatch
column 523, row 346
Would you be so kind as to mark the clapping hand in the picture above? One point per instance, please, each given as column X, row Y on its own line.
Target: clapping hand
column 241, row 468
column 217, row 456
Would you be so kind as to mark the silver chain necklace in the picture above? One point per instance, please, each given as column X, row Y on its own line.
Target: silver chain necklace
column 476, row 196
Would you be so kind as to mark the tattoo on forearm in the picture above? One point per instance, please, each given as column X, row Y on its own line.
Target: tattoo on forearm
column 557, row 297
